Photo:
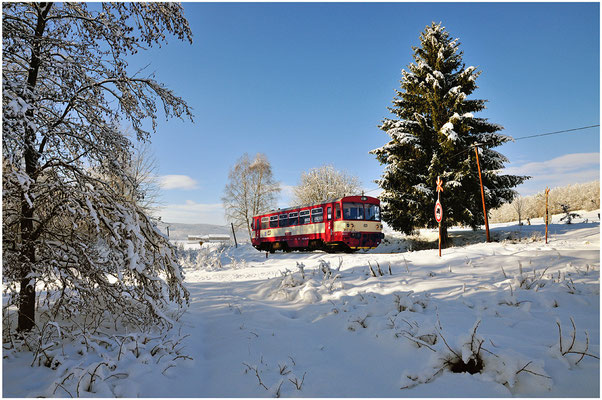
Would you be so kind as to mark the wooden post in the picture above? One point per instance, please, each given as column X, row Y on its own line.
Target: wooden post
column 476, row 149
column 546, row 215
column 234, row 234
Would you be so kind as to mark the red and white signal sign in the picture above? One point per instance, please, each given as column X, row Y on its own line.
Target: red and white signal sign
column 438, row 211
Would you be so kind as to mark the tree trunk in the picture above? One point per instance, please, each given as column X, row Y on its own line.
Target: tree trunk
column 249, row 228
column 27, row 293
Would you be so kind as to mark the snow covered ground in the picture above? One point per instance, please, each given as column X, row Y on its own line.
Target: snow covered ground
column 524, row 314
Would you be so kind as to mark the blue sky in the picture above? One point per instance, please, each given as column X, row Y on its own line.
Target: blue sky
column 308, row 83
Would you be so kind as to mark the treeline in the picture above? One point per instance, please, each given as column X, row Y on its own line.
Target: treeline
column 580, row 196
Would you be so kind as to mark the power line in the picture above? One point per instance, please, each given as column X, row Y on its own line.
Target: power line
column 515, row 139
column 554, row 133
column 529, row 137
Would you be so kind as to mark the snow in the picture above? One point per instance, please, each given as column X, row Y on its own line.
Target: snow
column 321, row 325
column 448, row 130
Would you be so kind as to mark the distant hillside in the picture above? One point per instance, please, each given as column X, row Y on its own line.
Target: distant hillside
column 181, row 231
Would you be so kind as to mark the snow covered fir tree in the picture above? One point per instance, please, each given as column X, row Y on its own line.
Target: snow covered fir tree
column 433, row 135
column 78, row 245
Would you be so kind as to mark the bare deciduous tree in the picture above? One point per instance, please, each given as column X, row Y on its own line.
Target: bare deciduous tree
column 70, row 228
column 520, row 206
column 142, row 171
column 251, row 190
column 581, row 196
column 323, row 183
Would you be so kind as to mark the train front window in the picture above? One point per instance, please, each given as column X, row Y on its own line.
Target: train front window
column 353, row 211
column 372, row 212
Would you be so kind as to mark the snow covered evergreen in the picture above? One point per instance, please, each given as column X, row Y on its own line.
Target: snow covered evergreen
column 432, row 136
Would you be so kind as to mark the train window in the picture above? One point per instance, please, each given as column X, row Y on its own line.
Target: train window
column 372, row 212
column 317, row 214
column 264, row 223
column 337, row 210
column 353, row 211
column 329, row 213
column 304, row 217
column 292, row 219
column 252, row 225
column 274, row 221
column 283, row 220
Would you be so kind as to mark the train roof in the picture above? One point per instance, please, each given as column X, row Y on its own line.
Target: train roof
column 279, row 210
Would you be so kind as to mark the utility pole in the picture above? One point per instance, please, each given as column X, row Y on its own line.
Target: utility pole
column 476, row 149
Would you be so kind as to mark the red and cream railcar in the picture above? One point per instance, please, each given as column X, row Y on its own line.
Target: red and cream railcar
column 346, row 224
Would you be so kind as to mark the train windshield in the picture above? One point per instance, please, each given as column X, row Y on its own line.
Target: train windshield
column 372, row 212
column 361, row 211
column 353, row 211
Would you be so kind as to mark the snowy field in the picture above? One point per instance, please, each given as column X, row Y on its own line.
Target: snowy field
column 521, row 315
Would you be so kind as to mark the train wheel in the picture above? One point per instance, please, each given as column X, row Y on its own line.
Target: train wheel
column 348, row 249
column 332, row 248
column 316, row 245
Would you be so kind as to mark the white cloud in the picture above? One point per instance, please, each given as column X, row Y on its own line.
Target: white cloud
column 193, row 213
column 560, row 171
column 177, row 182
column 560, row 165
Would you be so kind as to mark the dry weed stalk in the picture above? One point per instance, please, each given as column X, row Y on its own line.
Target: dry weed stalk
column 254, row 369
column 283, row 369
column 298, row 384
column 406, row 264
column 570, row 348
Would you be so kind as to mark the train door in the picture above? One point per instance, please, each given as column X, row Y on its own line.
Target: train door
column 329, row 223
